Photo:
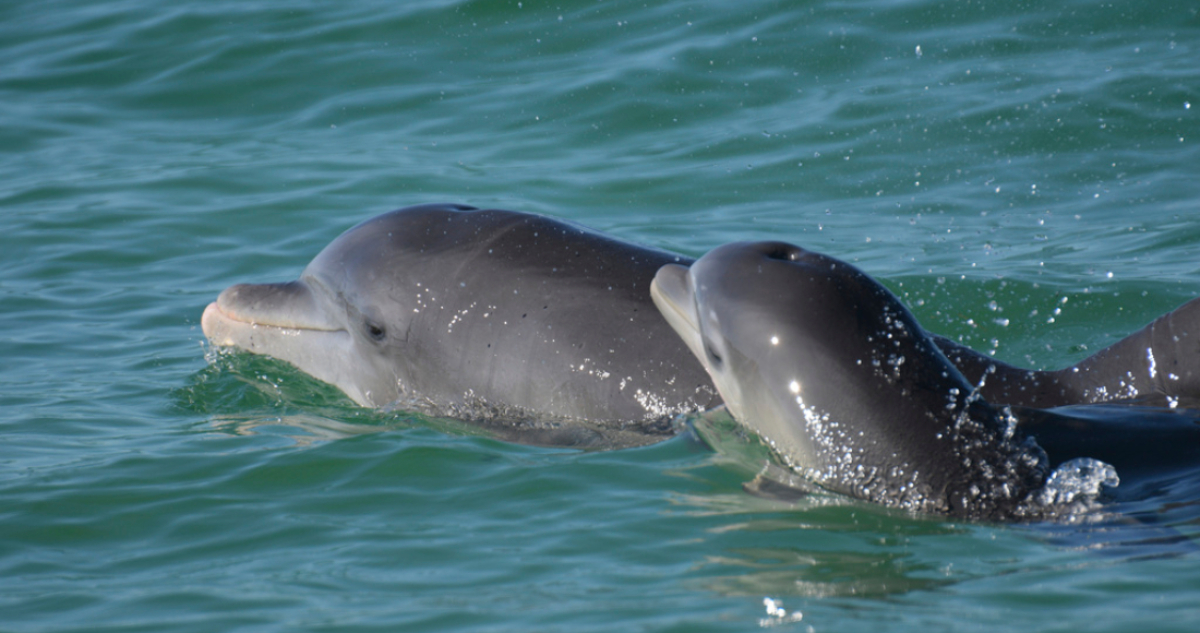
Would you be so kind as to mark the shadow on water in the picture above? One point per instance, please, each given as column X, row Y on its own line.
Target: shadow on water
column 846, row 549
column 826, row 548
column 805, row 541
column 817, row 544
column 778, row 571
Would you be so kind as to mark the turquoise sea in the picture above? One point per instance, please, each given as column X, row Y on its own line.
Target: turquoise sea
column 1025, row 175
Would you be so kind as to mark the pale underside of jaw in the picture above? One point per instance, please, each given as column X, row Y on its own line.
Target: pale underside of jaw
column 674, row 297
column 674, row 300
column 325, row 354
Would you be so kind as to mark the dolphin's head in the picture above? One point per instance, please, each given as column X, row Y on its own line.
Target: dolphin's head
column 829, row 368
column 773, row 324
column 344, row 321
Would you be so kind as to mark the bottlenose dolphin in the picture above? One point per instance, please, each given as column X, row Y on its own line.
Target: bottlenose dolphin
column 828, row 367
column 835, row 374
column 541, row 329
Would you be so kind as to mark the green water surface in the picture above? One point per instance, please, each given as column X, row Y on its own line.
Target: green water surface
column 1025, row 175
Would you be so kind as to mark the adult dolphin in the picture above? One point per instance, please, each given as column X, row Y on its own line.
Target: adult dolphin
column 828, row 367
column 541, row 329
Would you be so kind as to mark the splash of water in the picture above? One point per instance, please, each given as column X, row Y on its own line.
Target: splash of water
column 1078, row 480
column 777, row 615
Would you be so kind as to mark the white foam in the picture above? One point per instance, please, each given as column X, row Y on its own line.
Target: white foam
column 1080, row 479
column 777, row 615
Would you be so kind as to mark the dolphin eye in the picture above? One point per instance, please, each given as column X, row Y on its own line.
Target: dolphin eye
column 375, row 331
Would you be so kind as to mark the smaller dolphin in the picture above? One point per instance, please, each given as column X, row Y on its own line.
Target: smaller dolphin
column 835, row 374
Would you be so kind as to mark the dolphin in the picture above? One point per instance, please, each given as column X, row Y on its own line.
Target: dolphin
column 539, row 329
column 836, row 375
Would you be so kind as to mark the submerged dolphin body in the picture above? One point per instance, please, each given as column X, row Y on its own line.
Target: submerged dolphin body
column 829, row 368
column 540, row 329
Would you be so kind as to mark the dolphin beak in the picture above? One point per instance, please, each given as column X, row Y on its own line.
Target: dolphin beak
column 671, row 291
column 289, row 306
column 289, row 322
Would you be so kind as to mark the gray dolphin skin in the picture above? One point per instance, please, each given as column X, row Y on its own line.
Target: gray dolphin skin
column 1158, row 365
column 834, row 373
column 829, row 368
column 538, row 328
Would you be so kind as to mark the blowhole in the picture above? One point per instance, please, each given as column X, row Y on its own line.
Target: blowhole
column 782, row 251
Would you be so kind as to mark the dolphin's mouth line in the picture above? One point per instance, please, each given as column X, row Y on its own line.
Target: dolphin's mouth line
column 224, row 313
column 226, row 328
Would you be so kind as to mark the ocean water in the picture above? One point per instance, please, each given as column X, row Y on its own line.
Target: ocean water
column 1025, row 175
